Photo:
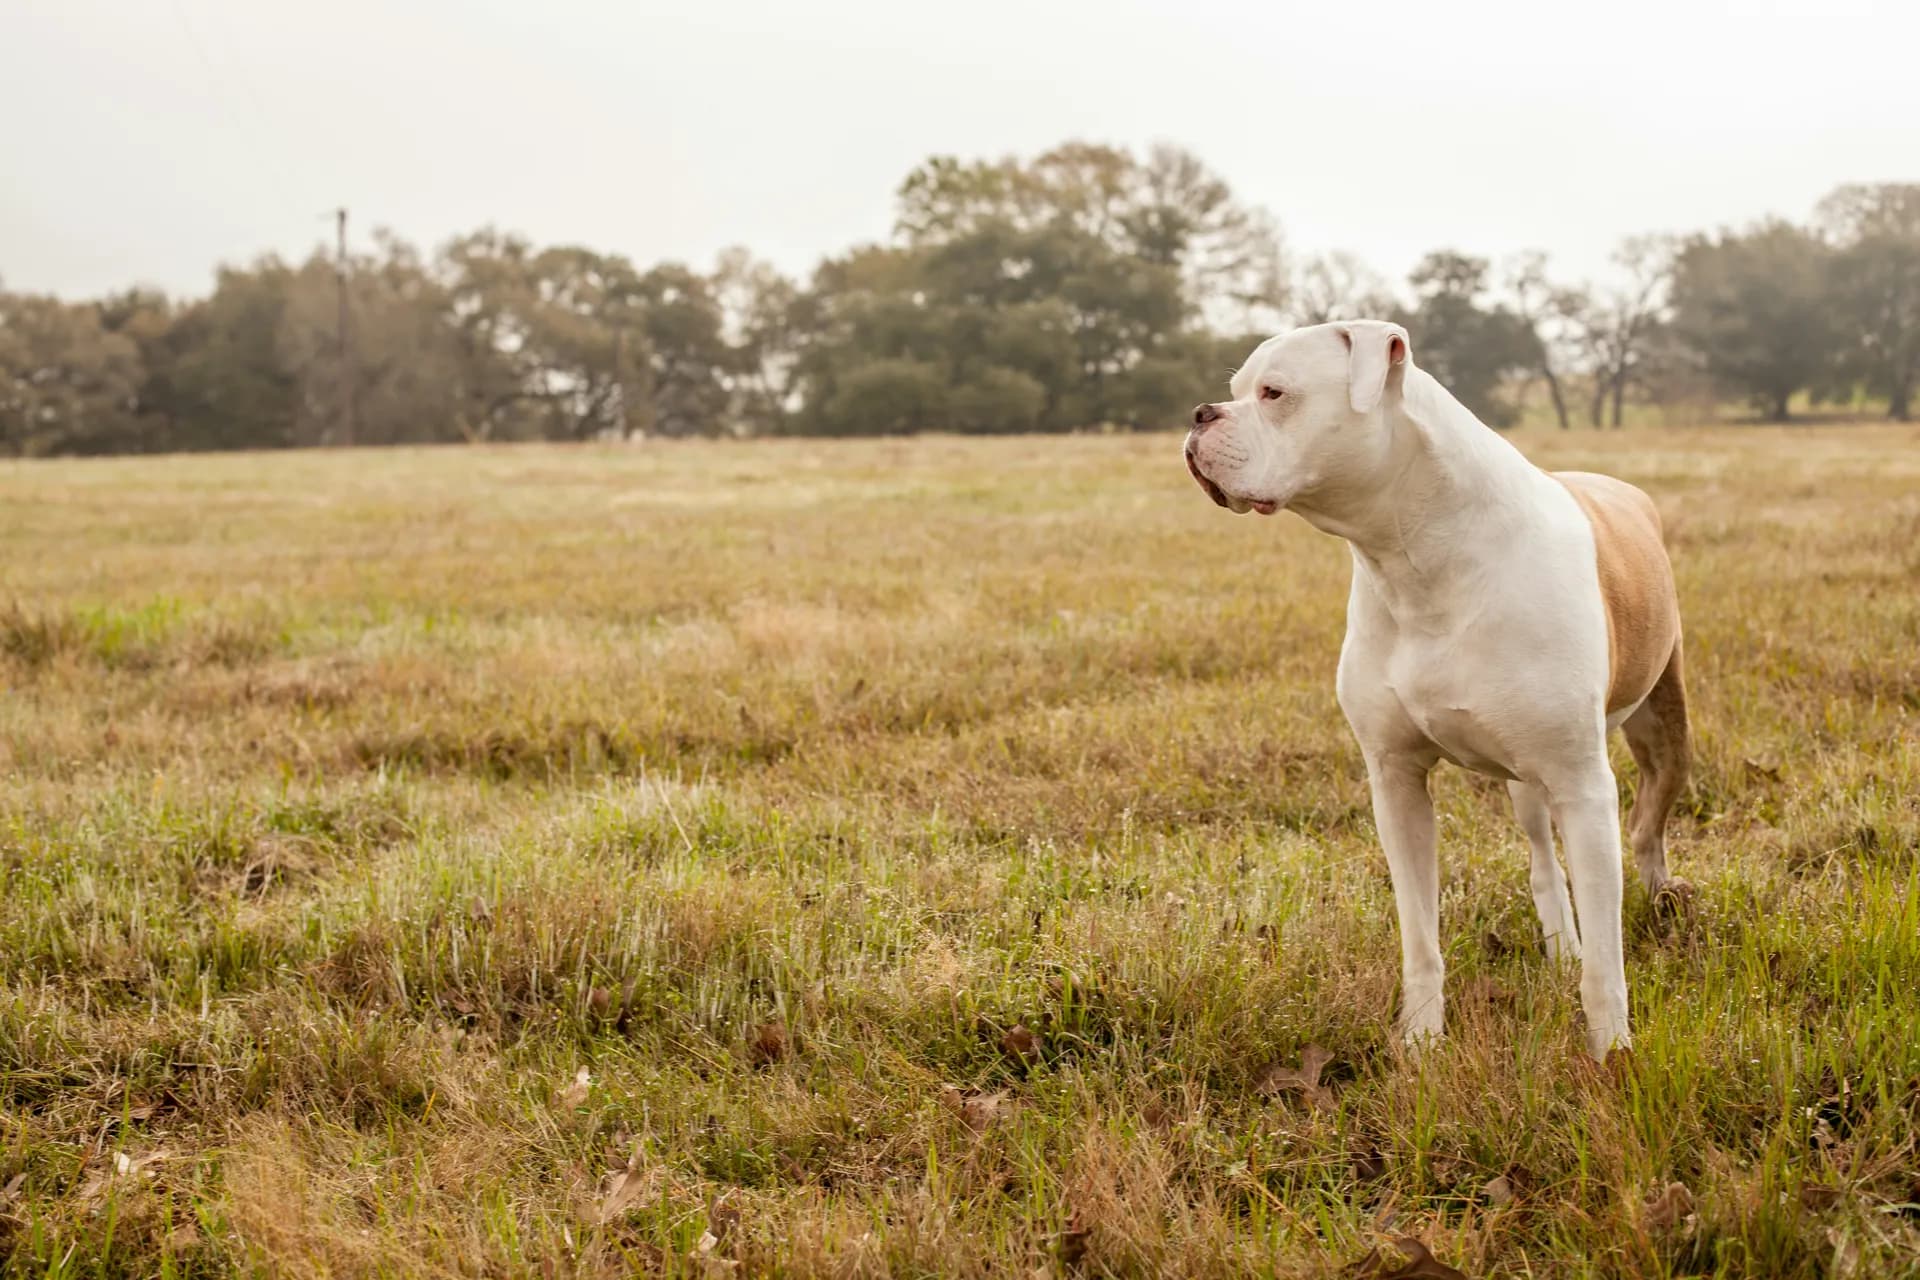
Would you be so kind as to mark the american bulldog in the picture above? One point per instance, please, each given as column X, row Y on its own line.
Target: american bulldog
column 1501, row 617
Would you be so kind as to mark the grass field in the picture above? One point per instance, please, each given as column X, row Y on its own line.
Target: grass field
column 901, row 858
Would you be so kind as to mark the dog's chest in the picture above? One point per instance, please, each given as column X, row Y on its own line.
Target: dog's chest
column 1453, row 703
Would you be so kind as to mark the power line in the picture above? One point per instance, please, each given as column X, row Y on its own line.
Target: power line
column 217, row 81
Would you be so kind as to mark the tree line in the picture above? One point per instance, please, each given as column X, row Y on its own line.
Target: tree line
column 1088, row 287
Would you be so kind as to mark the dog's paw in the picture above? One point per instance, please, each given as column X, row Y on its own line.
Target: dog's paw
column 1417, row 1042
column 1610, row 1069
column 1674, row 900
column 1607, row 1037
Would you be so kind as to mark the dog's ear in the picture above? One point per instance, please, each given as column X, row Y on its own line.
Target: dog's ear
column 1376, row 355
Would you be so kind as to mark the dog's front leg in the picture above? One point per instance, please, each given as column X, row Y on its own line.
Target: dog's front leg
column 1587, row 809
column 1403, row 812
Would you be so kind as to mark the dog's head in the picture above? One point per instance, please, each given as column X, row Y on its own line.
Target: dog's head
column 1307, row 415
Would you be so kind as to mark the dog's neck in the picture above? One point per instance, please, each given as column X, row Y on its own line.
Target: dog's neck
column 1450, row 491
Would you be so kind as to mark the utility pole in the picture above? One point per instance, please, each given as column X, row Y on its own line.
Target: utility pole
column 620, row 378
column 348, row 409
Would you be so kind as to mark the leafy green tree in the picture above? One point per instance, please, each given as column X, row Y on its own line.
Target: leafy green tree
column 688, row 360
column 1875, row 288
column 487, row 279
column 1056, row 293
column 764, row 323
column 566, row 343
column 996, row 400
column 226, row 383
column 68, row 384
column 403, row 359
column 1168, row 209
column 888, row 396
column 1470, row 343
column 1754, row 307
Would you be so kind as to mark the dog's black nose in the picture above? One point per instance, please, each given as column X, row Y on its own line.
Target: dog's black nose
column 1205, row 413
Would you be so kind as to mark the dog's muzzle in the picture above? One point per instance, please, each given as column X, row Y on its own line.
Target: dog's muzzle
column 1214, row 491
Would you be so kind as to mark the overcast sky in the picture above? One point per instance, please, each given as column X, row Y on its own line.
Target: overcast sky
column 148, row 140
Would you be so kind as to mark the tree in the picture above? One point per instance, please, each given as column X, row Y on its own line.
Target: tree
column 1546, row 309
column 688, row 360
column 1754, row 308
column 1469, row 343
column 1875, row 293
column 227, row 383
column 1168, row 209
column 146, row 317
column 404, row 364
column 1043, row 296
column 764, row 323
column 1339, row 286
column 1618, row 330
column 486, row 280
column 889, row 396
column 67, row 383
column 1231, row 258
column 567, row 343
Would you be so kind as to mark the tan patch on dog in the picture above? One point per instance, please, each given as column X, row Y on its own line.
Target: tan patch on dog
column 1636, row 582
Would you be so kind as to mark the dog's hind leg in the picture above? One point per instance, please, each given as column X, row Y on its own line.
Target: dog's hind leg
column 1548, row 881
column 1657, row 735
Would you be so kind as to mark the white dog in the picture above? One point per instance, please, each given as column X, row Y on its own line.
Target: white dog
column 1501, row 617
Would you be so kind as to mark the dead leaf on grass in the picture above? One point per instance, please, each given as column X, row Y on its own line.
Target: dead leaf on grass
column 769, row 1045
column 1617, row 1068
column 979, row 1112
column 626, row 1188
column 183, row 1236
column 1303, row 1079
column 1420, row 1264
column 1368, row 1161
column 1669, row 1207
column 123, row 1169
column 706, row 1261
column 1158, row 1115
column 1071, row 1243
column 1820, row 1196
column 1846, row 1254
column 1021, row 1045
column 126, row 1166
column 1499, row 1192
column 723, row 1216
column 1492, row 993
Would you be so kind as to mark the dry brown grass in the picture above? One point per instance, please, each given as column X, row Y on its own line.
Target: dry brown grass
column 360, row 800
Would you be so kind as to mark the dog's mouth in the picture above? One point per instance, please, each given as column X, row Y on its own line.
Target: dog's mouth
column 1239, row 506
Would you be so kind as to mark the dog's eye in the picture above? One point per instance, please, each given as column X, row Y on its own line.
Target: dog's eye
column 1269, row 393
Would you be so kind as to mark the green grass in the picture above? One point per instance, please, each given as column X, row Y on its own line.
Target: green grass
column 358, row 801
